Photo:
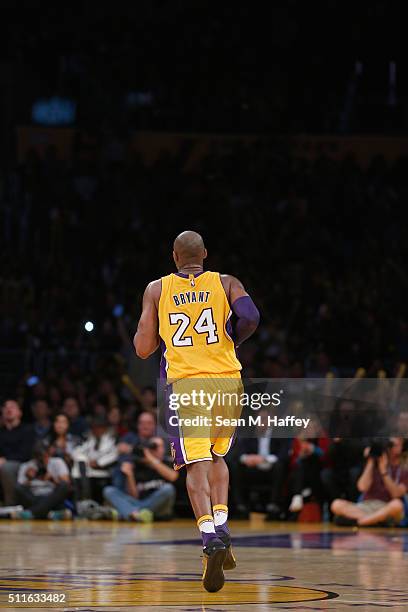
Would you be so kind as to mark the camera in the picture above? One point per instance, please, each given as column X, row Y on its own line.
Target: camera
column 138, row 451
column 378, row 447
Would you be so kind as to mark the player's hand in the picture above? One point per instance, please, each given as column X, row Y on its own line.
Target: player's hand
column 93, row 464
column 383, row 463
column 2, row 461
column 127, row 468
column 254, row 460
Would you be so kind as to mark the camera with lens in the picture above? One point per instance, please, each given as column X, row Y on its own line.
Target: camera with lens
column 138, row 451
column 378, row 447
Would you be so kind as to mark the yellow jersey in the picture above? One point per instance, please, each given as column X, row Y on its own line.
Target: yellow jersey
column 194, row 327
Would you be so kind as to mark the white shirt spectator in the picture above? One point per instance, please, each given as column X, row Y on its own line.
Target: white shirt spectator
column 56, row 468
column 102, row 450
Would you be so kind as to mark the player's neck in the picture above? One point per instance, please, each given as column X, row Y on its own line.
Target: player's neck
column 191, row 269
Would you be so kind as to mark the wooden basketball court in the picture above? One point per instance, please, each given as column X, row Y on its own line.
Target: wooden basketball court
column 281, row 566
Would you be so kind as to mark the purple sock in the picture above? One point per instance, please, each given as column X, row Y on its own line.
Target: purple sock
column 207, row 537
column 223, row 529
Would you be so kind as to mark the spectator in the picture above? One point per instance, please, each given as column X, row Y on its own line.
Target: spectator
column 307, row 459
column 93, row 460
column 42, row 422
column 261, row 461
column 383, row 484
column 345, row 463
column 99, row 410
column 149, row 399
column 61, row 441
column 54, row 398
column 145, row 429
column 16, row 443
column 114, row 418
column 78, row 424
column 142, row 488
column 43, row 485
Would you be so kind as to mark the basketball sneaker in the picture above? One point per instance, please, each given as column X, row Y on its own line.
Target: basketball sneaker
column 230, row 561
column 213, row 561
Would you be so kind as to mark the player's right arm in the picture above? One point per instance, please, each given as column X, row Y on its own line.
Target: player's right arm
column 242, row 306
column 146, row 340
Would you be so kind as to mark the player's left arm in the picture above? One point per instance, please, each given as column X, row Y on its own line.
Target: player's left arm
column 146, row 340
column 242, row 306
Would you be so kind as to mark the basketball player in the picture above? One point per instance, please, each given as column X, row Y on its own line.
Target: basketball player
column 188, row 313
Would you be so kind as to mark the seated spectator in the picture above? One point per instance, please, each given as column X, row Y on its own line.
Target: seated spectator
column 130, row 414
column 93, row 460
column 54, row 399
column 307, row 459
column 61, row 442
column 149, row 399
column 42, row 422
column 114, row 418
column 43, row 485
column 383, row 484
column 261, row 461
column 340, row 478
column 16, row 443
column 142, row 488
column 78, row 424
column 145, row 429
column 99, row 409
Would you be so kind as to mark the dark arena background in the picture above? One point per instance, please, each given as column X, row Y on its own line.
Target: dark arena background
column 282, row 138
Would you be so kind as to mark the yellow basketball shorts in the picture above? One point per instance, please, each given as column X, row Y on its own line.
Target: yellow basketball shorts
column 202, row 415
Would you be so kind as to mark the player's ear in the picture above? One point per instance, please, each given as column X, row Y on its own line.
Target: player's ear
column 205, row 253
column 175, row 257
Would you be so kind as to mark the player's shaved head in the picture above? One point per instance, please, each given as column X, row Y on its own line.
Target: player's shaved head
column 189, row 245
column 189, row 248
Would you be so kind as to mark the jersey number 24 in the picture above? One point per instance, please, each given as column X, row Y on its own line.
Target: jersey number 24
column 204, row 325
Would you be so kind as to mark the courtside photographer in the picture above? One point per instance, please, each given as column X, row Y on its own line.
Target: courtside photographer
column 382, row 484
column 142, row 488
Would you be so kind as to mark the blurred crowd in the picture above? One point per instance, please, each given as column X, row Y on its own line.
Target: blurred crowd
column 320, row 245
column 60, row 464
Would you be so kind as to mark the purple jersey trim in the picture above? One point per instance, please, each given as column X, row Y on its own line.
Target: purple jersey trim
column 174, row 432
column 187, row 275
column 163, row 362
column 229, row 329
